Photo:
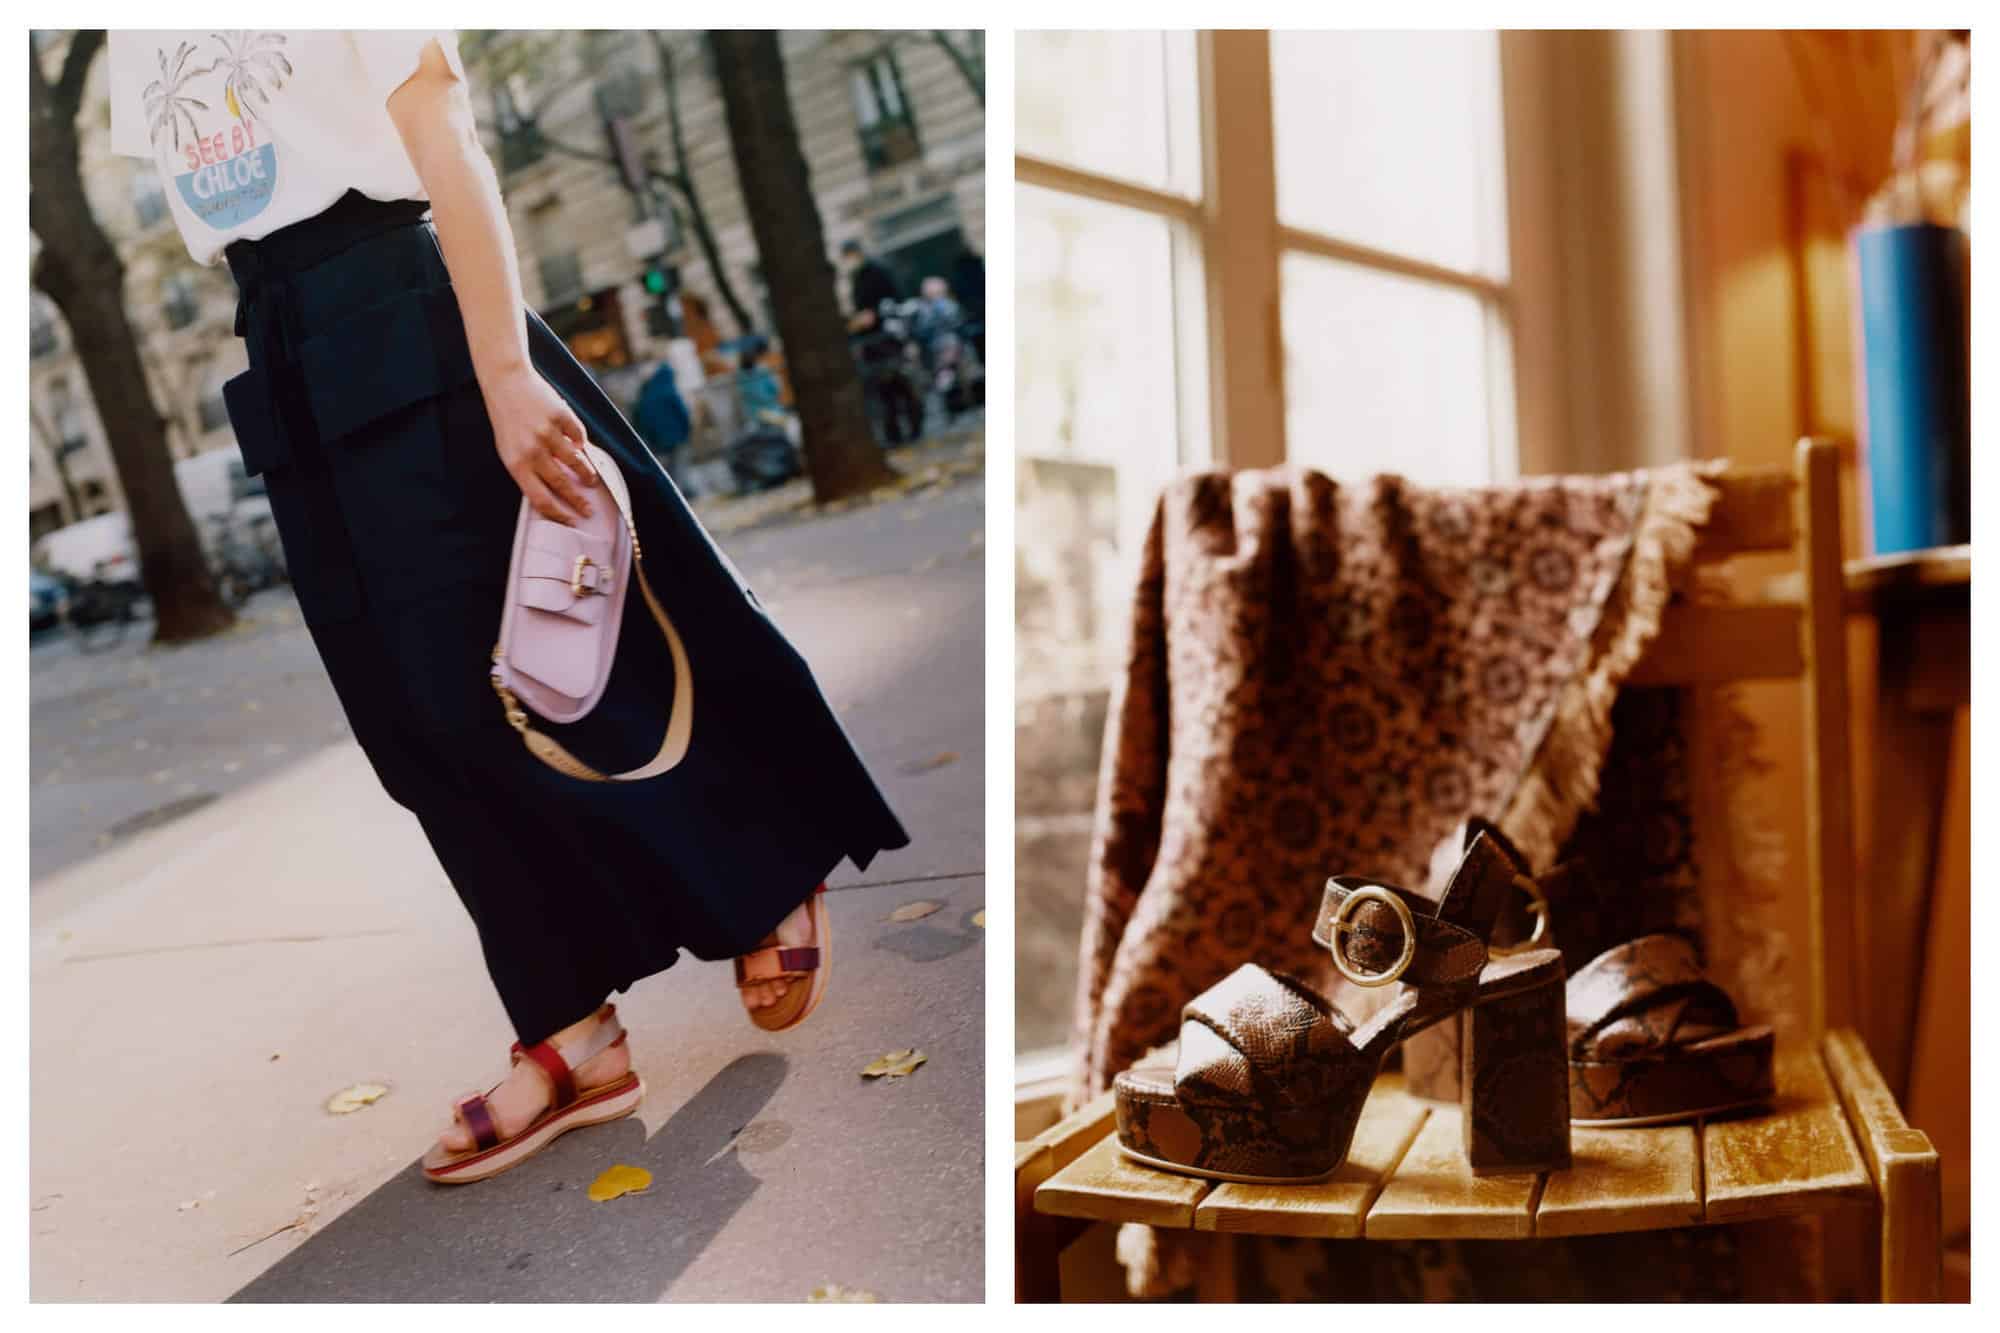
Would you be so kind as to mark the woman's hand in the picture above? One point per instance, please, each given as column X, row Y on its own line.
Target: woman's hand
column 540, row 442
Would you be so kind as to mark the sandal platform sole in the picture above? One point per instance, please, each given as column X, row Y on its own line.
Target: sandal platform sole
column 614, row 1101
column 1724, row 1073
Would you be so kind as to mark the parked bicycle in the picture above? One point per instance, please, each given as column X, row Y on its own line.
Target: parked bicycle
column 242, row 558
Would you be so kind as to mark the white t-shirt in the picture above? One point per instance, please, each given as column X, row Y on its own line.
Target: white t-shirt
column 253, row 131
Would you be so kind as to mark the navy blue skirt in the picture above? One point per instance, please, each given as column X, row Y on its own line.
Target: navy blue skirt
column 361, row 414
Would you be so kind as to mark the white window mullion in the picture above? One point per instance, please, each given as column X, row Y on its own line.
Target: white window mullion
column 1240, row 215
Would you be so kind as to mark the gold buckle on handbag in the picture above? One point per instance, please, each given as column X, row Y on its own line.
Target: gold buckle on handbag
column 576, row 587
column 1341, row 925
column 1539, row 906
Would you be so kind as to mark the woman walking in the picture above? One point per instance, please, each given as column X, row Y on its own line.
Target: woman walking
column 400, row 404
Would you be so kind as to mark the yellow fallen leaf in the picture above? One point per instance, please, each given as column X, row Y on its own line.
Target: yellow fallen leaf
column 979, row 918
column 895, row 1064
column 618, row 1180
column 356, row 1097
column 915, row 911
column 834, row 1293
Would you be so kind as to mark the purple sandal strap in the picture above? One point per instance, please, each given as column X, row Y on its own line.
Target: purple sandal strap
column 472, row 1110
column 774, row 963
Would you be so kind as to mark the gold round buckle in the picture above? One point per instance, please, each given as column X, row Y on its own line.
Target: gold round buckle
column 1539, row 906
column 1341, row 925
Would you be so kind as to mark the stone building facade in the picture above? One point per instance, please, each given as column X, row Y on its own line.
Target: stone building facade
column 893, row 131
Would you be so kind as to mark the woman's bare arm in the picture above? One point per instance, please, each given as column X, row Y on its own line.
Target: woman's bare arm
column 533, row 428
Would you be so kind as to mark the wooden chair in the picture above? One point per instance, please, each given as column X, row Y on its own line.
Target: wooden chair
column 1835, row 1140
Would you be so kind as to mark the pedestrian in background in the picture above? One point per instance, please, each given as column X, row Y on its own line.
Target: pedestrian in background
column 968, row 284
column 661, row 416
column 400, row 407
column 871, row 286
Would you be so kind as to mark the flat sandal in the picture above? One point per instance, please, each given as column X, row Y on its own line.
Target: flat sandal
column 570, row 1107
column 793, row 964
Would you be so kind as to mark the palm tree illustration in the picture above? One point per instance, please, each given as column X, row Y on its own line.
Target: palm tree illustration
column 165, row 102
column 256, row 67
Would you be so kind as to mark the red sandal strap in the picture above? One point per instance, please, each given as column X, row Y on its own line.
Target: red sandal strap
column 560, row 1065
column 472, row 1110
column 552, row 1063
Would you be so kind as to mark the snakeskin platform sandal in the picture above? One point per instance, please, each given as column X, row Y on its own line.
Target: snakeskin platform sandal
column 1270, row 1078
column 1651, row 1037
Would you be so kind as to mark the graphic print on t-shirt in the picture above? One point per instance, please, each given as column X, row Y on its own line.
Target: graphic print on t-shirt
column 226, row 175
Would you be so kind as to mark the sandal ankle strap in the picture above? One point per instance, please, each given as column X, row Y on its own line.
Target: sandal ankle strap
column 561, row 1062
column 1379, row 933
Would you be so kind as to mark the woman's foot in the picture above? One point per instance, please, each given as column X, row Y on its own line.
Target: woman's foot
column 795, row 931
column 525, row 1093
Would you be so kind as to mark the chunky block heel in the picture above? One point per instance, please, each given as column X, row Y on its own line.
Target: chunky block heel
column 1514, row 1076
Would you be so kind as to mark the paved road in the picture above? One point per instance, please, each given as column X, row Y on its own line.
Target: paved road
column 236, row 965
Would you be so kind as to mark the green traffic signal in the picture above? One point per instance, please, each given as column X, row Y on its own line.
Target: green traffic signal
column 655, row 281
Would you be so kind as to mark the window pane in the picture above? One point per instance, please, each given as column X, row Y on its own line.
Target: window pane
column 1095, row 319
column 1392, row 140
column 1117, row 103
column 1100, row 395
column 1385, row 373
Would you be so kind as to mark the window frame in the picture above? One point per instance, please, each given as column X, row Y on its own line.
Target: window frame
column 1230, row 239
column 873, row 136
column 1239, row 242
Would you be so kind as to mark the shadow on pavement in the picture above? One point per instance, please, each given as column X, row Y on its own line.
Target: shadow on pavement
column 532, row 1234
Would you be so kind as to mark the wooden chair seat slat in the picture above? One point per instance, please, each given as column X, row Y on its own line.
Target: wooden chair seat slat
column 1798, row 1157
column 1103, row 1186
column 1335, row 1209
column 1624, row 1180
column 1434, row 1195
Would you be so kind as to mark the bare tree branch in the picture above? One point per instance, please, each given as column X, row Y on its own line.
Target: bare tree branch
column 566, row 149
column 974, row 72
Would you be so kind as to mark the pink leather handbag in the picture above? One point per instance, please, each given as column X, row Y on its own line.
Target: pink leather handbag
column 559, row 627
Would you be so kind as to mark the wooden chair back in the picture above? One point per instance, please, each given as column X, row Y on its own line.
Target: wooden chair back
column 1793, row 629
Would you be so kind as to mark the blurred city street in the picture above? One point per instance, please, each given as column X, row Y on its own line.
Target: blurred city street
column 230, row 923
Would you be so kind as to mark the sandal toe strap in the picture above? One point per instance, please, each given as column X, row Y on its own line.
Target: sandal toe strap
column 472, row 1111
column 776, row 963
column 1639, row 996
column 1260, row 1035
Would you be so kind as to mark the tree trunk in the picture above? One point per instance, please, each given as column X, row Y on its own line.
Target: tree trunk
column 82, row 274
column 842, row 456
column 682, row 179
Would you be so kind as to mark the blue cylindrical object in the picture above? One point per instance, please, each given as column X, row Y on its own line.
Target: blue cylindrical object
column 1918, row 413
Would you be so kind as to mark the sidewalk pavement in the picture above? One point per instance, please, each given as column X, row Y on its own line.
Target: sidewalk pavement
column 198, row 992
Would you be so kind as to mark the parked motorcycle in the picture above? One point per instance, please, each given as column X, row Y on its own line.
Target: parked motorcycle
column 944, row 342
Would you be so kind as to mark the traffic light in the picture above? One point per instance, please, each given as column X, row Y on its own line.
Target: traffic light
column 655, row 281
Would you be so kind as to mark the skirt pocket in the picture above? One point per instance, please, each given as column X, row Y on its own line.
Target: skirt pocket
column 377, row 385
